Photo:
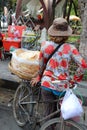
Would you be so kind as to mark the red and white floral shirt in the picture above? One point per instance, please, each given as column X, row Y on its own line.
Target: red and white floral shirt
column 58, row 65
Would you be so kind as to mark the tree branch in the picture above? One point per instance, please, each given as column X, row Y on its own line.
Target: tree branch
column 75, row 8
column 43, row 4
column 57, row 2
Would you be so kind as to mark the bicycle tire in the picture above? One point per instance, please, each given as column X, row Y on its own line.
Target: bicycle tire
column 22, row 112
column 68, row 125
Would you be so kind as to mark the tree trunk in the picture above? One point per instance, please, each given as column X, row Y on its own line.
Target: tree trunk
column 18, row 8
column 48, row 10
column 83, row 42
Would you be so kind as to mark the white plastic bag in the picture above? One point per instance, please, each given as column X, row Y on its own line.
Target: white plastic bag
column 71, row 106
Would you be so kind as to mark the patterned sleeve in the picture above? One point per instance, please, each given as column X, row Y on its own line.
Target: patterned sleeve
column 82, row 65
column 42, row 62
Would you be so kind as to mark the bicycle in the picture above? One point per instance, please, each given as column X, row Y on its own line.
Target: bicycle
column 28, row 105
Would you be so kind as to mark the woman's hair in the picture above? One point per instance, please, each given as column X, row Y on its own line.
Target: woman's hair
column 58, row 39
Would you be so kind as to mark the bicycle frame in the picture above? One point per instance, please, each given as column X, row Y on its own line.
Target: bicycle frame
column 39, row 101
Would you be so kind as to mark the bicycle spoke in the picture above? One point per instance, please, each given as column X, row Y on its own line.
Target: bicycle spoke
column 21, row 93
column 21, row 108
column 26, row 97
column 23, row 90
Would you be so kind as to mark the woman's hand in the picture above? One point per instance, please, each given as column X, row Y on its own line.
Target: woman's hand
column 34, row 81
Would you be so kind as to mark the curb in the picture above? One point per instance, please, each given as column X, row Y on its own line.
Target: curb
column 8, row 84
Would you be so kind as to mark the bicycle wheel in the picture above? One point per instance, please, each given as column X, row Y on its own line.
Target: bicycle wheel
column 57, row 124
column 22, row 109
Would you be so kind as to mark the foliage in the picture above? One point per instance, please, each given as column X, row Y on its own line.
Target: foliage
column 75, row 40
column 85, row 76
column 72, row 9
column 9, row 4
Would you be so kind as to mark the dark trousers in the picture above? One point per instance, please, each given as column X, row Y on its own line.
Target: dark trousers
column 49, row 107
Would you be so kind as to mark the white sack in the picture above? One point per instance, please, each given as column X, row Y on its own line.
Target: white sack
column 71, row 106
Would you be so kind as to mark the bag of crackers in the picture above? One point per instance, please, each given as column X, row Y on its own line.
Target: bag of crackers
column 24, row 63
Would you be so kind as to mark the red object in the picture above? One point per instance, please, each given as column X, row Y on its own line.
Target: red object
column 12, row 29
column 39, row 17
column 7, row 44
column 11, row 38
column 3, row 35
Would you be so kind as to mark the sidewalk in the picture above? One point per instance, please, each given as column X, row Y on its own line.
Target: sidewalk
column 5, row 73
column 6, row 78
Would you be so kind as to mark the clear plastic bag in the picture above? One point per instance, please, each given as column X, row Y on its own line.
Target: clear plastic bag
column 71, row 106
column 25, row 63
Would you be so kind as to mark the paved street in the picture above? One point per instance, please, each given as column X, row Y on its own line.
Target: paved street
column 6, row 120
